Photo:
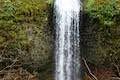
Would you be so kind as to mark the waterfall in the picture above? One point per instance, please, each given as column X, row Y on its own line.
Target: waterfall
column 67, row 42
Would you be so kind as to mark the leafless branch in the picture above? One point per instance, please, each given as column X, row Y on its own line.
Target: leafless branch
column 115, row 78
column 89, row 71
column 117, row 68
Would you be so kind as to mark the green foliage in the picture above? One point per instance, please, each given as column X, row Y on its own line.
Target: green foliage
column 90, row 5
column 104, row 10
column 8, row 9
column 104, row 16
column 24, row 30
column 51, row 2
column 15, row 17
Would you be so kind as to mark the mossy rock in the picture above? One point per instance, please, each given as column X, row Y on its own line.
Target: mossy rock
column 103, row 30
column 25, row 31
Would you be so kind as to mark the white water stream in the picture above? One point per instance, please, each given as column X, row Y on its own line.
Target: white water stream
column 67, row 42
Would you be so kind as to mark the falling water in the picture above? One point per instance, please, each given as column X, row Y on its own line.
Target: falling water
column 67, row 39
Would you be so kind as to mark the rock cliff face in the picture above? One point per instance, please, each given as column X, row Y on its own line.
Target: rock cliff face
column 100, row 38
column 26, row 34
column 100, row 32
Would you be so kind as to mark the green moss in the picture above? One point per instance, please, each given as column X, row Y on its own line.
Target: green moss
column 25, row 30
